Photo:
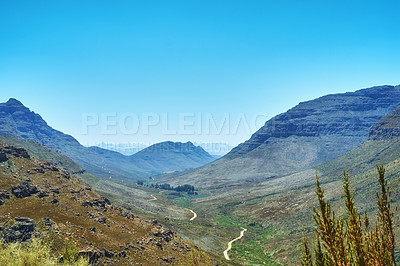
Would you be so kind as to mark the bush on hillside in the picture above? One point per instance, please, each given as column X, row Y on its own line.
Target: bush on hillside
column 352, row 241
column 32, row 253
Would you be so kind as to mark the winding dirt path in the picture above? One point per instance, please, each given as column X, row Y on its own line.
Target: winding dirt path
column 230, row 243
column 191, row 219
column 153, row 198
column 194, row 215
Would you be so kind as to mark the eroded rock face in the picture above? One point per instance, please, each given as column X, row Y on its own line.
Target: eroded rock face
column 17, row 152
column 346, row 114
column 23, row 190
column 22, row 230
column 386, row 128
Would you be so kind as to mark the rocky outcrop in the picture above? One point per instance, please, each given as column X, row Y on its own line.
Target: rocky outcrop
column 102, row 203
column 22, row 230
column 23, row 190
column 166, row 234
column 4, row 195
column 94, row 254
column 386, row 128
column 17, row 152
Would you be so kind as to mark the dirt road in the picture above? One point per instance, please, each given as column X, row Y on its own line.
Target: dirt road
column 230, row 243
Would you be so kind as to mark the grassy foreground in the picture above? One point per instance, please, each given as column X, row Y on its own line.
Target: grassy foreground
column 37, row 252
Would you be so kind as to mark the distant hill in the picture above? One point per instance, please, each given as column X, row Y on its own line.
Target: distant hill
column 18, row 120
column 309, row 134
column 171, row 156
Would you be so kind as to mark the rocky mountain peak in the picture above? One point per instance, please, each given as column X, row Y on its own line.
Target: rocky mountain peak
column 14, row 102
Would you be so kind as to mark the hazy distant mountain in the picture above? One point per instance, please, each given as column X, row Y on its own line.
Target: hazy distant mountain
column 305, row 136
column 216, row 149
column 18, row 120
column 171, row 156
column 123, row 148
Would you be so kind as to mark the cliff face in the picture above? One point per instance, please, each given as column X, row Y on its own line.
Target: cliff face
column 349, row 114
column 386, row 128
column 309, row 134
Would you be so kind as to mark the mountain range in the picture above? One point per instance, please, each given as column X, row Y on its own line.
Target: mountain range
column 18, row 120
column 265, row 185
column 309, row 134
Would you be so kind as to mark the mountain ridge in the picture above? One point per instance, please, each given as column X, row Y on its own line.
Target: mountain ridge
column 307, row 135
column 18, row 120
column 60, row 207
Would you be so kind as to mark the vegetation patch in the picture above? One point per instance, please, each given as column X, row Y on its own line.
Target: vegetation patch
column 35, row 252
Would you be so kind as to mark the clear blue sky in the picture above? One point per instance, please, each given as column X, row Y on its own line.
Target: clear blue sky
column 64, row 59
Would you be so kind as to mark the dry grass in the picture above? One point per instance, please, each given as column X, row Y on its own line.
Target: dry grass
column 135, row 236
column 33, row 253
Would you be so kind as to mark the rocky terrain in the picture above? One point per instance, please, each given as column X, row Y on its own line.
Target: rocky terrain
column 42, row 200
column 305, row 136
column 18, row 120
column 386, row 128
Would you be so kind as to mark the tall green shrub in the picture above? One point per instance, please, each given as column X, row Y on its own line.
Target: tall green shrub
column 352, row 241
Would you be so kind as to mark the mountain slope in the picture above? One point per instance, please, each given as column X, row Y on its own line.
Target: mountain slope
column 58, row 206
column 307, row 135
column 284, row 205
column 18, row 120
column 41, row 152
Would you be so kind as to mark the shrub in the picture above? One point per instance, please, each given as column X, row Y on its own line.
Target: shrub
column 32, row 253
column 352, row 241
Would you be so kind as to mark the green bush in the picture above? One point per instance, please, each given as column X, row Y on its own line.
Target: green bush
column 351, row 240
column 32, row 253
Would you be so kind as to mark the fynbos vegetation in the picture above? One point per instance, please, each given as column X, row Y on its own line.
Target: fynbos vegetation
column 35, row 252
column 352, row 241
